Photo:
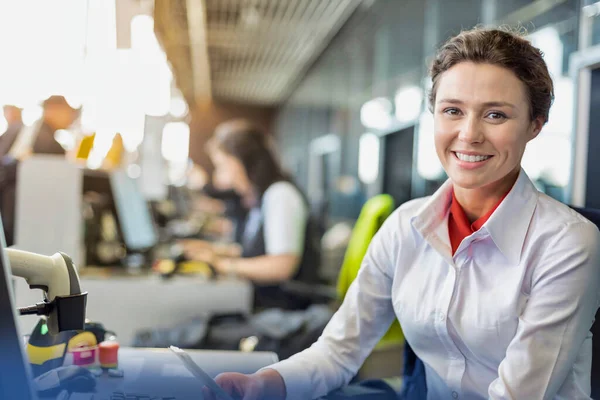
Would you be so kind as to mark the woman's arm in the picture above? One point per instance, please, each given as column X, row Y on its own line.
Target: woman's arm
column 351, row 334
column 557, row 318
column 263, row 269
column 284, row 218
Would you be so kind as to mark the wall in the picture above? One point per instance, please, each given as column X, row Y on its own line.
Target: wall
column 206, row 117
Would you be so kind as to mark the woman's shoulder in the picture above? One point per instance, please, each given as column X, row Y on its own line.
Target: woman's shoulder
column 282, row 189
column 556, row 215
column 557, row 225
column 284, row 195
column 409, row 209
column 400, row 219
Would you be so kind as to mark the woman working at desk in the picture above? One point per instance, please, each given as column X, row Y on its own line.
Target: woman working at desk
column 494, row 283
column 277, row 239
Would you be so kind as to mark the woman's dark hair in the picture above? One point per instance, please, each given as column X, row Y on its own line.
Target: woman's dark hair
column 502, row 48
column 251, row 145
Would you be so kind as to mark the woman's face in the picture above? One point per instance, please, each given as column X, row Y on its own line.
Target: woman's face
column 482, row 124
column 229, row 172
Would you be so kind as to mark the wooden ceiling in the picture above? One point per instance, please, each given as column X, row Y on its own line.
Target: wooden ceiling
column 245, row 51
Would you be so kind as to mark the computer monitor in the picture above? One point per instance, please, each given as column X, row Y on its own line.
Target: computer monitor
column 15, row 373
column 398, row 164
column 129, row 206
column 135, row 218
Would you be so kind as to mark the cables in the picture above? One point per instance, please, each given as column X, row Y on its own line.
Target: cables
column 43, row 308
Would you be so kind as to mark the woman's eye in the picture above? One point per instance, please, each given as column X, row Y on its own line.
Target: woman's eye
column 496, row 116
column 452, row 111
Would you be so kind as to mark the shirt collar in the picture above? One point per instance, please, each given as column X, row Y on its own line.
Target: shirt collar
column 462, row 221
column 507, row 226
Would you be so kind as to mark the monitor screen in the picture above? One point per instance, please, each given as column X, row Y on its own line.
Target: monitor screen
column 135, row 218
column 398, row 165
column 15, row 374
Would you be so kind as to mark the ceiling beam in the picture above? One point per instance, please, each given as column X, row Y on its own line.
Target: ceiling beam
column 196, row 14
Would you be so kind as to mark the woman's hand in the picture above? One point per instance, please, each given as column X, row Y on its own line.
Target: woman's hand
column 223, row 266
column 267, row 385
column 220, row 249
column 199, row 250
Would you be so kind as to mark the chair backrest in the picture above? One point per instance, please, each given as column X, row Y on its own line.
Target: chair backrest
column 372, row 215
column 415, row 386
column 594, row 216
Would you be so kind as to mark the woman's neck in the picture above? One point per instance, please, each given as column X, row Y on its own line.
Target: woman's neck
column 478, row 202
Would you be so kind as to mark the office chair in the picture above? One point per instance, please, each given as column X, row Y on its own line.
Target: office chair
column 387, row 355
column 372, row 215
column 594, row 216
column 414, row 385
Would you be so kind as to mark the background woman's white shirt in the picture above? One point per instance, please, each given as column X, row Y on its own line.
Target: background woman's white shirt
column 285, row 215
column 507, row 316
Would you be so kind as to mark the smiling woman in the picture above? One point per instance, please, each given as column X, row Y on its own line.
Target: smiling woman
column 495, row 284
column 491, row 102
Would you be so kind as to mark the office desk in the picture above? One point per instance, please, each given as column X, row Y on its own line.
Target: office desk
column 157, row 374
column 126, row 304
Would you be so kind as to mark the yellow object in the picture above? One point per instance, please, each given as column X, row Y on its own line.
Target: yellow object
column 85, row 147
column 115, row 154
column 372, row 215
column 39, row 355
column 195, row 267
column 81, row 340
column 185, row 267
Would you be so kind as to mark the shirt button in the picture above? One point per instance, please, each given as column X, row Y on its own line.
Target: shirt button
column 454, row 395
column 442, row 317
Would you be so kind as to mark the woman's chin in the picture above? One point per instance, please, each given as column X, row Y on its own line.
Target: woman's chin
column 468, row 181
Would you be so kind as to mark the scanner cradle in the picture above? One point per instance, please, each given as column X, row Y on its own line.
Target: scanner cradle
column 64, row 302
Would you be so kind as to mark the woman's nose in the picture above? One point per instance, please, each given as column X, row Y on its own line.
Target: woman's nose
column 471, row 130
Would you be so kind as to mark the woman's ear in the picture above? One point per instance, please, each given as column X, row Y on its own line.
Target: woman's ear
column 536, row 127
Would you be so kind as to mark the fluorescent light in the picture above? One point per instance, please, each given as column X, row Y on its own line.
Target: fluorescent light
column 428, row 164
column 376, row 113
column 408, row 103
column 368, row 158
column 179, row 107
column 175, row 144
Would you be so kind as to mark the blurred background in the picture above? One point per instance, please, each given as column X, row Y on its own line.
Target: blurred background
column 339, row 84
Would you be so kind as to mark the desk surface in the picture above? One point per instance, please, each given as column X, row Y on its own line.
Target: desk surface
column 125, row 305
column 157, row 374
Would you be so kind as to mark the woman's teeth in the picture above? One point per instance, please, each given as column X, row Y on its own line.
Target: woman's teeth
column 470, row 158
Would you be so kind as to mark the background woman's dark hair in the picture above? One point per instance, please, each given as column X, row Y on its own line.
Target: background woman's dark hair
column 505, row 49
column 251, row 145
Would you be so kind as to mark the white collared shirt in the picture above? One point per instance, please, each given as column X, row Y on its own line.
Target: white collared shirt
column 507, row 317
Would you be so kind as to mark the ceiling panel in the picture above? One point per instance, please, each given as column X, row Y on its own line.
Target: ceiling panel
column 258, row 49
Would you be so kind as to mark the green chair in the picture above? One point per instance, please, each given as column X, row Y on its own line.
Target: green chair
column 371, row 218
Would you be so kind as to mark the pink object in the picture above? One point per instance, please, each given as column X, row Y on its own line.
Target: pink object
column 85, row 356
